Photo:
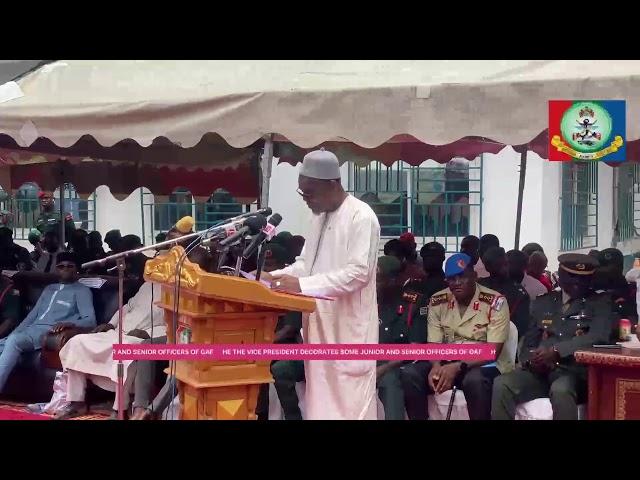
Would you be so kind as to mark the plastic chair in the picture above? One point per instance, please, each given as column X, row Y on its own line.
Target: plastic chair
column 540, row 409
column 439, row 404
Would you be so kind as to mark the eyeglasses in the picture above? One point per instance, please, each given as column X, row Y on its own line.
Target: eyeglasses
column 66, row 266
column 303, row 194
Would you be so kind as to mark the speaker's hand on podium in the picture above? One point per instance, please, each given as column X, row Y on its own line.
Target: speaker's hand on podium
column 266, row 276
column 286, row 283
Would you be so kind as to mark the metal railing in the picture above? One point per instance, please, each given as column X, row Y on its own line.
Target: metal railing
column 579, row 206
column 24, row 209
column 628, row 198
column 436, row 202
column 164, row 215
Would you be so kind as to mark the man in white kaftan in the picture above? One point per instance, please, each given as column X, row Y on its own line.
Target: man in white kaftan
column 338, row 261
column 90, row 356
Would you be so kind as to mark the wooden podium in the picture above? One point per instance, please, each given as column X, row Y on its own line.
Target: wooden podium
column 219, row 309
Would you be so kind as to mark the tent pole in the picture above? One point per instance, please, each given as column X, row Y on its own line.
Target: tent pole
column 266, row 163
column 62, row 216
column 523, row 172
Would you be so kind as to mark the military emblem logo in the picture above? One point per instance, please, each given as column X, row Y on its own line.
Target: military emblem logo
column 587, row 130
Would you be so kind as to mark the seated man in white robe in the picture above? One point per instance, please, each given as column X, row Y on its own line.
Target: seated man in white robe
column 89, row 356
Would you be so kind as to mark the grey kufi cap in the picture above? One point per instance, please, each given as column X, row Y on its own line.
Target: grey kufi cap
column 321, row 164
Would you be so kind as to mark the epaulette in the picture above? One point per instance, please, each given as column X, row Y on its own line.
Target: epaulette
column 439, row 299
column 486, row 297
column 410, row 297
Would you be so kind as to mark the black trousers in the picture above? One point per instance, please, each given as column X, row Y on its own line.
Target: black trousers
column 391, row 393
column 286, row 373
column 476, row 383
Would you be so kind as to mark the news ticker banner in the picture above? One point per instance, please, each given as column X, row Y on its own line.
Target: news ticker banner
column 218, row 352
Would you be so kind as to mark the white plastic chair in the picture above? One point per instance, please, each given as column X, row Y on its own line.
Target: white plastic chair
column 438, row 404
column 540, row 409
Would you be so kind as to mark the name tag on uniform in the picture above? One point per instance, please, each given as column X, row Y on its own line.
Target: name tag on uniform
column 547, row 322
column 424, row 310
column 62, row 302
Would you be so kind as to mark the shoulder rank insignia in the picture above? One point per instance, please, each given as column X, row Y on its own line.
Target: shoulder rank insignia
column 410, row 297
column 438, row 299
column 424, row 311
column 486, row 298
column 497, row 303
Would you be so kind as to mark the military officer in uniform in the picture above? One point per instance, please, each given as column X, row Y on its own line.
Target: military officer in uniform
column 495, row 261
column 50, row 220
column 286, row 373
column 465, row 312
column 561, row 323
column 403, row 319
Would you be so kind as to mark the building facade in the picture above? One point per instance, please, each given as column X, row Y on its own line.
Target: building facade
column 567, row 207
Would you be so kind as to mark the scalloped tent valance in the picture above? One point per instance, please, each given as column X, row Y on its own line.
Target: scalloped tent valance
column 161, row 167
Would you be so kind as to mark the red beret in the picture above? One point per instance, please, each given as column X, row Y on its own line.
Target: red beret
column 408, row 237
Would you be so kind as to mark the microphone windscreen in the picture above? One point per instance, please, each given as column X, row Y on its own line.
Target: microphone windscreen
column 255, row 223
column 185, row 224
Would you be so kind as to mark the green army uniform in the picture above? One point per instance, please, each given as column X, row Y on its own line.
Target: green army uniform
column 486, row 320
column 401, row 321
column 9, row 306
column 50, row 221
column 565, row 325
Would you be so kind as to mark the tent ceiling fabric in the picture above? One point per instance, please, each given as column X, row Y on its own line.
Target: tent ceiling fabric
column 437, row 102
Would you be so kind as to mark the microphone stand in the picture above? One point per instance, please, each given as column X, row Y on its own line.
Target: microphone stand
column 261, row 258
column 120, row 259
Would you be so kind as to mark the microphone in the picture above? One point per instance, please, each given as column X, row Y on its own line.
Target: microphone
column 227, row 231
column 252, row 225
column 265, row 235
column 185, row 224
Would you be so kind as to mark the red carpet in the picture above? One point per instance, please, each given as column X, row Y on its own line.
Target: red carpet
column 6, row 414
column 18, row 411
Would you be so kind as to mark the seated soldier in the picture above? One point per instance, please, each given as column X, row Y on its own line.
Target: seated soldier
column 61, row 306
column 465, row 312
column 609, row 278
column 410, row 270
column 433, row 255
column 561, row 323
column 89, row 356
column 517, row 262
column 401, row 321
column 286, row 373
column 495, row 261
